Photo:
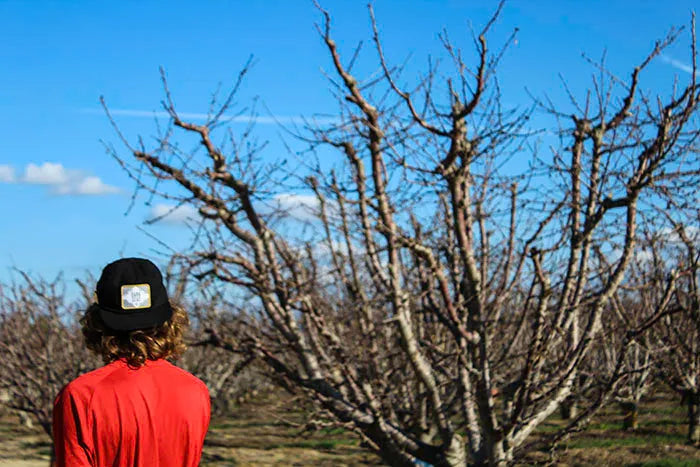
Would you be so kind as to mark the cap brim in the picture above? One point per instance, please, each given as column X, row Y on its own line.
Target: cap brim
column 130, row 321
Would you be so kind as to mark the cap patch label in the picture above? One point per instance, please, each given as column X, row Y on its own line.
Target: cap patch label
column 136, row 296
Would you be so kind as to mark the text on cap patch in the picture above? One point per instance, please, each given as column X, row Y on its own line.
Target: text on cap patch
column 136, row 296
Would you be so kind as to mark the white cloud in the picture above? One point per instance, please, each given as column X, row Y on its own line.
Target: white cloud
column 339, row 246
column 671, row 237
column 7, row 174
column 87, row 186
column 668, row 238
column 60, row 180
column 642, row 256
column 289, row 205
column 47, row 173
column 300, row 207
column 173, row 215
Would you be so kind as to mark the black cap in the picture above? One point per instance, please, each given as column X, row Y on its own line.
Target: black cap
column 130, row 295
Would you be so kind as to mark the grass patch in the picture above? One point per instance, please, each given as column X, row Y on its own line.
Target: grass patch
column 322, row 444
column 663, row 422
column 667, row 463
column 221, row 426
column 209, row 458
column 245, row 424
column 547, row 427
column 605, row 426
column 35, row 444
column 650, row 440
column 671, row 409
column 333, row 431
column 552, row 427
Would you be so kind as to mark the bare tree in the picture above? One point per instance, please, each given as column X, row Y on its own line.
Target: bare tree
column 672, row 275
column 41, row 347
column 625, row 354
column 230, row 380
column 434, row 299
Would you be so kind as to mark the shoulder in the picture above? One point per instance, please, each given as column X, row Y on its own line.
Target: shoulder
column 184, row 377
column 81, row 389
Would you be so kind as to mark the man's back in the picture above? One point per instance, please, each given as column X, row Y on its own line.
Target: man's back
column 157, row 414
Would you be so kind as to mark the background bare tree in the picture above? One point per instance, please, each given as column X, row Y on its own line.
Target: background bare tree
column 624, row 352
column 231, row 381
column 442, row 299
column 41, row 347
column 672, row 276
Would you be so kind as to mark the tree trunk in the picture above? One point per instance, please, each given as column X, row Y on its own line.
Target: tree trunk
column 495, row 455
column 25, row 420
column 694, row 418
column 455, row 454
column 568, row 409
column 630, row 410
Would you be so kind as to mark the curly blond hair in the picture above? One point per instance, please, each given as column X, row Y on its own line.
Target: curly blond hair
column 164, row 341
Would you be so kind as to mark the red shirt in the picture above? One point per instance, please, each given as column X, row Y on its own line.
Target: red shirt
column 155, row 415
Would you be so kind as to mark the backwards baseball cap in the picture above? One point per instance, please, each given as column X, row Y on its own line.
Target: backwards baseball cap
column 130, row 295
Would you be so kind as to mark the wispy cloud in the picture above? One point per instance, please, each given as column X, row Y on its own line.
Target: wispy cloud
column 297, row 206
column 677, row 64
column 671, row 236
column 7, row 174
column 291, row 206
column 87, row 186
column 258, row 119
column 60, row 180
column 163, row 213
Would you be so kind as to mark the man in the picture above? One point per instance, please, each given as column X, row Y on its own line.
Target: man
column 138, row 409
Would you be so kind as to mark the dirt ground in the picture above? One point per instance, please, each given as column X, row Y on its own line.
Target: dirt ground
column 267, row 432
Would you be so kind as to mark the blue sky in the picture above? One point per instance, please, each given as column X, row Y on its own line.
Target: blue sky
column 63, row 199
